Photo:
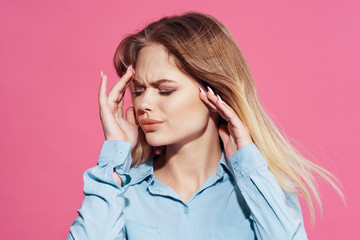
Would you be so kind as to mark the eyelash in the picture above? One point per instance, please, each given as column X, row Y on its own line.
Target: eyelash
column 166, row 93
column 136, row 93
column 163, row 93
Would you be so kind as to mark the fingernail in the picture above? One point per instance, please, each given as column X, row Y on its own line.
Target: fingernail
column 219, row 98
column 102, row 74
column 202, row 91
column 210, row 90
column 129, row 68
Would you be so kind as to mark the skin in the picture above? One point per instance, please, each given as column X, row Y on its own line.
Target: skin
column 188, row 116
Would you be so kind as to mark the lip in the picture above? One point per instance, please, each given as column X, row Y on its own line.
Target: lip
column 149, row 125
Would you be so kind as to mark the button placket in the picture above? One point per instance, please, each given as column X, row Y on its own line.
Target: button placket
column 186, row 209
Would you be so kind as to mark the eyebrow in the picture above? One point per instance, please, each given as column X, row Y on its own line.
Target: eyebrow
column 154, row 84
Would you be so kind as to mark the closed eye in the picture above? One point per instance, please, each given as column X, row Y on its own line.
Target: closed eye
column 162, row 92
column 166, row 92
column 137, row 92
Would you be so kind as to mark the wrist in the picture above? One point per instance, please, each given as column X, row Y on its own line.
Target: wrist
column 244, row 143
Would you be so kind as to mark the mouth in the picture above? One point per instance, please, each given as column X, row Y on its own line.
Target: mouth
column 149, row 125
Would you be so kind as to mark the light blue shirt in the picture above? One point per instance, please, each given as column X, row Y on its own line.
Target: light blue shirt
column 241, row 201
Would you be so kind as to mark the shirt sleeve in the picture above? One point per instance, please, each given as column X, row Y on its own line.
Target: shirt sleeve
column 276, row 214
column 101, row 213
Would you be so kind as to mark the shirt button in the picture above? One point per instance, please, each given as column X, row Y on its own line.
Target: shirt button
column 186, row 210
column 235, row 165
column 121, row 152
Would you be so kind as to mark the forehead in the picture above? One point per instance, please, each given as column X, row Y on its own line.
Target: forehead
column 154, row 63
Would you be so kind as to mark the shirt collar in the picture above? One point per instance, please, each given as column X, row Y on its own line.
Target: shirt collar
column 145, row 171
column 141, row 172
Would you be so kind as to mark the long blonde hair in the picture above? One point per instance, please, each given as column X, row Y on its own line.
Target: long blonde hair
column 205, row 50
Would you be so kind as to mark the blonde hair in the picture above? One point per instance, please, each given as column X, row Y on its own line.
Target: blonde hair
column 205, row 50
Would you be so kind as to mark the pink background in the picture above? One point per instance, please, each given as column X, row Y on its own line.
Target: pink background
column 304, row 56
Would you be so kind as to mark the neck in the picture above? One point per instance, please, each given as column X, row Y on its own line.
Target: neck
column 195, row 161
column 185, row 167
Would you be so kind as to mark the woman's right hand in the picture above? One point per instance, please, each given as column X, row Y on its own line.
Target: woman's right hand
column 115, row 126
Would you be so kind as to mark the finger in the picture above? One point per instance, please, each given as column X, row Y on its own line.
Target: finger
column 204, row 98
column 213, row 99
column 224, row 110
column 120, row 108
column 117, row 92
column 102, row 89
column 130, row 115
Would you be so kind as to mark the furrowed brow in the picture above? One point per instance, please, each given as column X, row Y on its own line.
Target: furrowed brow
column 161, row 81
column 137, row 83
column 154, row 84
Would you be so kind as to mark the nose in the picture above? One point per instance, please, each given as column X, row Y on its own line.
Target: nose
column 145, row 102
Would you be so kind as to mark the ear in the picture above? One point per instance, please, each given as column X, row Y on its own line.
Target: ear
column 159, row 150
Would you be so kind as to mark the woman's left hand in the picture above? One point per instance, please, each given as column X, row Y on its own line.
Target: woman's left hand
column 233, row 134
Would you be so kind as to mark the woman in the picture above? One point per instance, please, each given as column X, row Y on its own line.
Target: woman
column 206, row 161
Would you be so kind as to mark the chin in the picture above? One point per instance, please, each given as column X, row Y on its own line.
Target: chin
column 155, row 140
column 158, row 139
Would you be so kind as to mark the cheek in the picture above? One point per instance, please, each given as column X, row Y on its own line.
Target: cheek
column 186, row 112
column 133, row 103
